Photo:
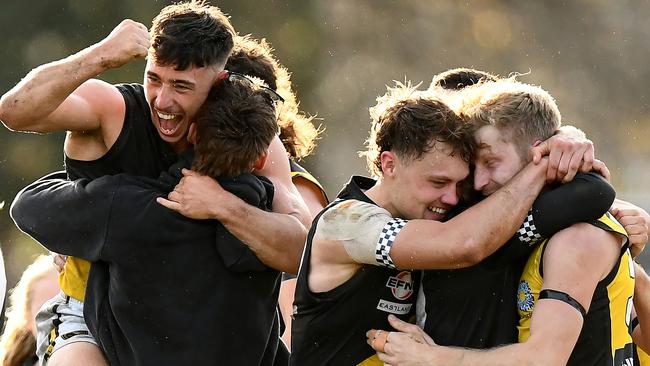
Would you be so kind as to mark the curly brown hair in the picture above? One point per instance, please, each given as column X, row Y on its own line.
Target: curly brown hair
column 191, row 33
column 255, row 57
column 409, row 122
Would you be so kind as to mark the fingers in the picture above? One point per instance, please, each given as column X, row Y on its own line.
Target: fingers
column 399, row 324
column 189, row 173
column 371, row 334
column 384, row 358
column 553, row 165
column 588, row 158
column 59, row 261
column 377, row 339
column 169, row 204
column 600, row 168
column 574, row 165
column 563, row 167
column 542, row 149
column 629, row 217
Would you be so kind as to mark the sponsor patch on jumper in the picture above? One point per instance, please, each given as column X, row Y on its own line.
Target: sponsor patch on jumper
column 525, row 298
column 393, row 307
column 401, row 285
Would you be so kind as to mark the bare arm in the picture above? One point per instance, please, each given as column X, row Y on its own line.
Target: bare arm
column 315, row 201
column 636, row 222
column 640, row 335
column 473, row 235
column 551, row 342
column 61, row 96
column 277, row 237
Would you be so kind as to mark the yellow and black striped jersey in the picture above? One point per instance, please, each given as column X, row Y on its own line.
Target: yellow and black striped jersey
column 605, row 338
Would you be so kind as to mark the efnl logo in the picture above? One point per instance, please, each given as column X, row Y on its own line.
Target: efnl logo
column 401, row 285
column 402, row 288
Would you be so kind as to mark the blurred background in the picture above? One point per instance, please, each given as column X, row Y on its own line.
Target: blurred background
column 591, row 55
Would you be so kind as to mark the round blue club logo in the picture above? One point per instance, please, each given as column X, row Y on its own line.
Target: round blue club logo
column 525, row 299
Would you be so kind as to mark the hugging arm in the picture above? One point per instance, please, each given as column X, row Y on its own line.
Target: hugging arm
column 66, row 217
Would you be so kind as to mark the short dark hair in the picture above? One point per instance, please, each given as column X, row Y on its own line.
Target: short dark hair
column 235, row 126
column 456, row 79
column 255, row 57
column 191, row 34
column 409, row 122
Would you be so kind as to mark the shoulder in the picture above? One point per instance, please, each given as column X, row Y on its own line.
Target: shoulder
column 350, row 218
column 582, row 246
column 277, row 164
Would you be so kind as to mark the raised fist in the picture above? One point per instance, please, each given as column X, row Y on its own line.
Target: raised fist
column 128, row 41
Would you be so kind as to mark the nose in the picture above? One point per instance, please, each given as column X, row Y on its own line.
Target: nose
column 164, row 98
column 451, row 196
column 481, row 178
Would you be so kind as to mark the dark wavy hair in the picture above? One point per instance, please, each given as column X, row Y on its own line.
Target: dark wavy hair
column 456, row 79
column 409, row 122
column 191, row 34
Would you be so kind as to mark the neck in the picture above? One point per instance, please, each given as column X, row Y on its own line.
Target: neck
column 379, row 195
column 180, row 145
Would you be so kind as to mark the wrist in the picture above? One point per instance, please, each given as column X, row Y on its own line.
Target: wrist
column 95, row 59
column 533, row 177
column 226, row 208
column 448, row 356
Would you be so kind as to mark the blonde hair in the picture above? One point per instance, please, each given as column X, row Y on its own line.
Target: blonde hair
column 523, row 112
column 17, row 341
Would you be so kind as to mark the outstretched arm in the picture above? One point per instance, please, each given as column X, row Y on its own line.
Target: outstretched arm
column 474, row 234
column 277, row 237
column 66, row 217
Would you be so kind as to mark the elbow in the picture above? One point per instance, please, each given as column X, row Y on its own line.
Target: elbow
column 471, row 252
column 16, row 212
column 604, row 194
column 11, row 118
column 7, row 119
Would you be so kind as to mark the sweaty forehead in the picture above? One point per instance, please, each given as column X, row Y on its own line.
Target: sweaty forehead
column 490, row 140
column 446, row 166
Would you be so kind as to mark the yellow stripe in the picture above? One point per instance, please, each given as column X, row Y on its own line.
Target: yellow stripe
column 620, row 292
column 612, row 224
column 74, row 277
column 372, row 361
column 644, row 359
column 307, row 176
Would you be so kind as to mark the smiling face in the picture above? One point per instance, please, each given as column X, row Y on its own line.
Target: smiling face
column 174, row 97
column 427, row 187
column 497, row 160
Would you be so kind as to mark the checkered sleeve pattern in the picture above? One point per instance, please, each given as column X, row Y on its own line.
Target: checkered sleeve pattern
column 528, row 233
column 385, row 242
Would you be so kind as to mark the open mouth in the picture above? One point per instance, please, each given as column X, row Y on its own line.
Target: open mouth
column 437, row 210
column 168, row 122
